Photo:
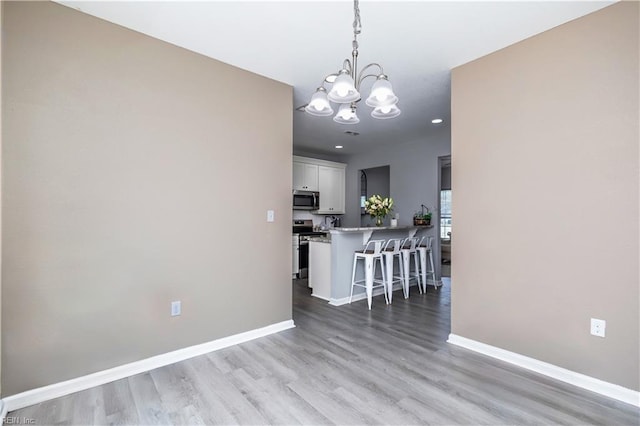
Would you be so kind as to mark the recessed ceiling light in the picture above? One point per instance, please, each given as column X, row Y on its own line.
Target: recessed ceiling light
column 339, row 147
column 437, row 121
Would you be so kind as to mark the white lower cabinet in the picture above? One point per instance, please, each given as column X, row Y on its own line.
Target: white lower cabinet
column 331, row 182
column 320, row 269
column 295, row 257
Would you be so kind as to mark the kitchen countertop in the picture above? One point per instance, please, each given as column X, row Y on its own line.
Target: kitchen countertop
column 378, row 228
column 319, row 240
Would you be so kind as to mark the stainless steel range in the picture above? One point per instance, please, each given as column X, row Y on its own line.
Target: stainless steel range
column 303, row 229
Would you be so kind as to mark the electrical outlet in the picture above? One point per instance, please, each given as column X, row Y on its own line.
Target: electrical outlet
column 176, row 308
column 598, row 327
column 271, row 216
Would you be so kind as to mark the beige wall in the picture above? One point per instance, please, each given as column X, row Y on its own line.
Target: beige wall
column 135, row 173
column 545, row 181
column 1, row 42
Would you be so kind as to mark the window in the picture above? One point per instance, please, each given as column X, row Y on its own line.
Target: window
column 445, row 214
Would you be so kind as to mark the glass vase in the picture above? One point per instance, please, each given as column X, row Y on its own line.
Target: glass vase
column 379, row 221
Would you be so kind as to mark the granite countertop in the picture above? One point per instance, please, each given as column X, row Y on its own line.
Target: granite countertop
column 320, row 239
column 377, row 228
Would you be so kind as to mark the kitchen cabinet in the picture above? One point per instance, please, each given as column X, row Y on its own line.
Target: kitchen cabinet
column 331, row 184
column 305, row 176
column 326, row 177
column 320, row 269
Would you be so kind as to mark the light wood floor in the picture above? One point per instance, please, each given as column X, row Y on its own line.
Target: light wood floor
column 341, row 365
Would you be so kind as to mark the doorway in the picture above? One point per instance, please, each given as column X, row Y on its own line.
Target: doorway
column 373, row 181
column 444, row 207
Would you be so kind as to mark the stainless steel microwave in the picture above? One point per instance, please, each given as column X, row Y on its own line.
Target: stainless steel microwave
column 306, row 200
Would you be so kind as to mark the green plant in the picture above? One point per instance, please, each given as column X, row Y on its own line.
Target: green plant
column 422, row 216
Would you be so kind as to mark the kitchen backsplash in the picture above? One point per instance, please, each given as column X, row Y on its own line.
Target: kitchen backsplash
column 318, row 219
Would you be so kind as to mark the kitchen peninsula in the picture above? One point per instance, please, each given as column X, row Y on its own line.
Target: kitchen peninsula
column 331, row 259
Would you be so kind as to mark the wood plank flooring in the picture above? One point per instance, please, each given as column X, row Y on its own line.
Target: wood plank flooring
column 341, row 365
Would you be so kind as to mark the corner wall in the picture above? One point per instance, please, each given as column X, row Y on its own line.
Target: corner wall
column 546, row 196
column 135, row 173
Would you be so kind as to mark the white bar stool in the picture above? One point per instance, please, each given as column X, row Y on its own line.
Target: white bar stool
column 425, row 247
column 372, row 252
column 408, row 249
column 390, row 251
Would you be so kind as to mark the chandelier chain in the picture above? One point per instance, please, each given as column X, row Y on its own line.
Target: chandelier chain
column 357, row 24
column 357, row 29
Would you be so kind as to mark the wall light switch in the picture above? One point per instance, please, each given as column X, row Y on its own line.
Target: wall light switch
column 271, row 216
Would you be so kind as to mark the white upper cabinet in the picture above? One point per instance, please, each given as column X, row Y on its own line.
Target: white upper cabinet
column 305, row 176
column 331, row 182
column 327, row 177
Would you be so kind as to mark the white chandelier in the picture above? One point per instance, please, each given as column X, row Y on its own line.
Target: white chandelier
column 346, row 84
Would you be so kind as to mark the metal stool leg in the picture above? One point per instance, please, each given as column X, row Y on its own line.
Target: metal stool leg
column 353, row 276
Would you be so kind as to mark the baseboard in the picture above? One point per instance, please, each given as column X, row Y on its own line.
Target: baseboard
column 430, row 283
column 577, row 379
column 356, row 297
column 56, row 390
column 320, row 297
column 362, row 296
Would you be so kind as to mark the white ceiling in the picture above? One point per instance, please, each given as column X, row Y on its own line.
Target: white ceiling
column 299, row 42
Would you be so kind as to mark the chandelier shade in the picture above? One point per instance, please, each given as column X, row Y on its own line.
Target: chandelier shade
column 346, row 115
column 381, row 93
column 345, row 87
column 386, row 112
column 319, row 104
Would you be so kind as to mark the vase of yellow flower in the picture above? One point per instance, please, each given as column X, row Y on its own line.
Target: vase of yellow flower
column 378, row 207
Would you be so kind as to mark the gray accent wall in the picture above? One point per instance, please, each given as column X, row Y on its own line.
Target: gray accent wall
column 546, row 196
column 320, row 156
column 135, row 173
column 413, row 178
